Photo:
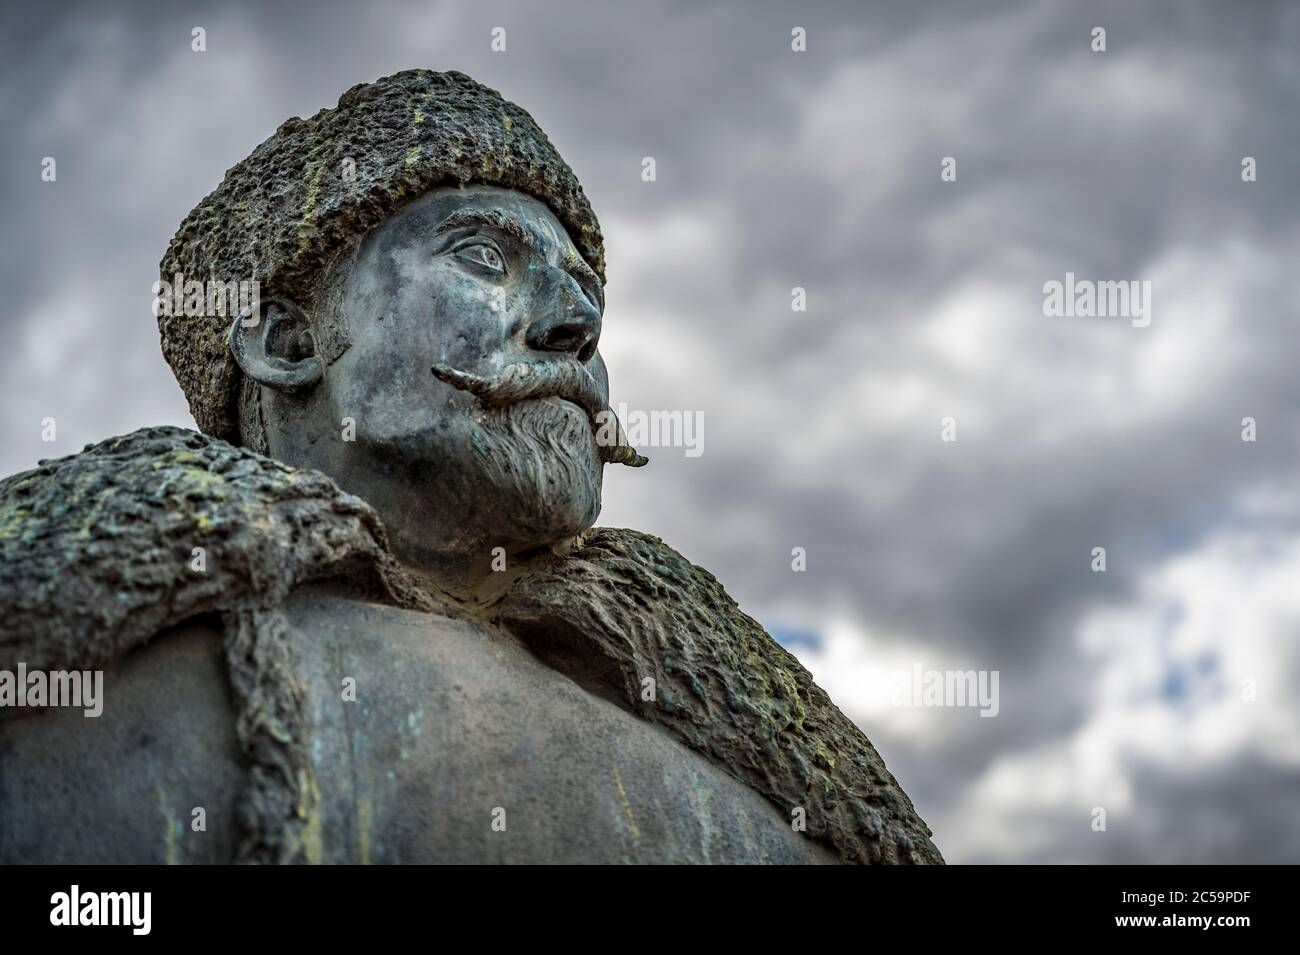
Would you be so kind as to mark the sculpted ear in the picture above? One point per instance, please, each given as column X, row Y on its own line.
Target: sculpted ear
column 276, row 347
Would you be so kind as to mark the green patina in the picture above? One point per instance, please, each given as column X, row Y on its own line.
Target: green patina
column 13, row 519
column 307, row 221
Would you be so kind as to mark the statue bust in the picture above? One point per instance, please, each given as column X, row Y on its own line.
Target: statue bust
column 363, row 615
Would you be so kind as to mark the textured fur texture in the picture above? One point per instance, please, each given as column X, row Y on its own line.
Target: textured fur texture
column 102, row 550
column 624, row 607
column 97, row 556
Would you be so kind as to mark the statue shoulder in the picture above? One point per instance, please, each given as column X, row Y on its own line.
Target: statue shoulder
column 101, row 550
column 629, row 617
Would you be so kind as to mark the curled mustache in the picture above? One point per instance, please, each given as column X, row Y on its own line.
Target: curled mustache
column 567, row 380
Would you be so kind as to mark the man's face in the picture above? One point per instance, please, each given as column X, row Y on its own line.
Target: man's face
column 477, row 280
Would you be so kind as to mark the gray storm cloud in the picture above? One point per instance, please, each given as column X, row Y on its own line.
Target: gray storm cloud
column 1128, row 690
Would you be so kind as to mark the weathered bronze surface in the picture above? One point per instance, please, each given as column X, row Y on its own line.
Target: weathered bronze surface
column 384, row 628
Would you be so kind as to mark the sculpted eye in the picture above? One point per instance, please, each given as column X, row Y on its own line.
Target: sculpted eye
column 482, row 254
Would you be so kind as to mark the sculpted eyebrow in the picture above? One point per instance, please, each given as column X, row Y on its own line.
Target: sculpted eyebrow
column 493, row 218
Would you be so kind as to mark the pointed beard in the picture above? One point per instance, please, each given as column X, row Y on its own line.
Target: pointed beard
column 542, row 460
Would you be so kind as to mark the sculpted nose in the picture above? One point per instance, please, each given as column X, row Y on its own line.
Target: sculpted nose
column 565, row 320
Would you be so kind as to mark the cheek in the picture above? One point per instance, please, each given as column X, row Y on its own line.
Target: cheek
column 384, row 376
column 598, row 371
column 464, row 322
column 395, row 401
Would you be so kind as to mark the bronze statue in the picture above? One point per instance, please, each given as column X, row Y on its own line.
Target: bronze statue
column 364, row 615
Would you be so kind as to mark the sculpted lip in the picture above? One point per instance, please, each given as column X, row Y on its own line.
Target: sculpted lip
column 567, row 380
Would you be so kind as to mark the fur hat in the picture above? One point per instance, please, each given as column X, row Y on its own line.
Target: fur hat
column 280, row 215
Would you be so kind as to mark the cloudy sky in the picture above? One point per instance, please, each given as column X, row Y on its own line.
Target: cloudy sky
column 1161, row 690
